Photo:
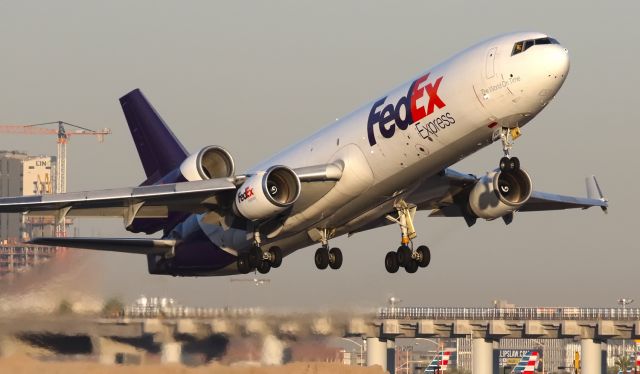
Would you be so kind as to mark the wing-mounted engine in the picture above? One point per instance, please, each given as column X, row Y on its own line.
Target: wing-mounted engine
column 208, row 163
column 265, row 194
column 499, row 193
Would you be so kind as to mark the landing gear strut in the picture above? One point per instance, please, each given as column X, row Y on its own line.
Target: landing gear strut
column 326, row 257
column 507, row 137
column 405, row 256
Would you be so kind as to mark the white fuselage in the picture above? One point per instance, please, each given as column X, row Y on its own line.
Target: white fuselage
column 389, row 146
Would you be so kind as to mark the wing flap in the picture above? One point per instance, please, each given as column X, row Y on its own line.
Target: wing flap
column 125, row 245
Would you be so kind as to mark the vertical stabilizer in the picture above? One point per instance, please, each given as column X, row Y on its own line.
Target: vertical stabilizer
column 441, row 361
column 159, row 150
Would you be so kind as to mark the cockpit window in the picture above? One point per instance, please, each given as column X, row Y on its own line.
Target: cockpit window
column 528, row 44
column 517, row 48
column 542, row 41
column 522, row 46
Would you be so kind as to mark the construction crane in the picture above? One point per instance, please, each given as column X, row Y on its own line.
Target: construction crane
column 63, row 136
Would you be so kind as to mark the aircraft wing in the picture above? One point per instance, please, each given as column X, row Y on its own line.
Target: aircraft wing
column 446, row 195
column 154, row 201
column 143, row 201
column 539, row 201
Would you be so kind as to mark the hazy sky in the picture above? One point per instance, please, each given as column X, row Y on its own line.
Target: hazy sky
column 255, row 76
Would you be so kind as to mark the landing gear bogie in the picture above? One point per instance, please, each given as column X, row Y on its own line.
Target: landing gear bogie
column 325, row 257
column 258, row 259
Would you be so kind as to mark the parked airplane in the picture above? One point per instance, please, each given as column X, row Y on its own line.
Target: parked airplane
column 374, row 167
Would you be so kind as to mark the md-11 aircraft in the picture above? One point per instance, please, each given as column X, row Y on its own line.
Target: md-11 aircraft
column 377, row 166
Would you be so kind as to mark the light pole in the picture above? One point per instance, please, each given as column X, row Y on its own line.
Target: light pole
column 361, row 349
column 624, row 302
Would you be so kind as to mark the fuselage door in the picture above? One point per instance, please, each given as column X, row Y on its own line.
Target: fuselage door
column 490, row 63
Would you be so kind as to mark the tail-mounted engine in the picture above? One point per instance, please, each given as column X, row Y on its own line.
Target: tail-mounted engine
column 210, row 162
column 268, row 193
column 500, row 193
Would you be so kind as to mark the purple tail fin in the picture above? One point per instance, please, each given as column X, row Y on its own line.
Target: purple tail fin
column 159, row 150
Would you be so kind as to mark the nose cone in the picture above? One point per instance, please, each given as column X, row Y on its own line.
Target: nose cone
column 557, row 59
column 552, row 67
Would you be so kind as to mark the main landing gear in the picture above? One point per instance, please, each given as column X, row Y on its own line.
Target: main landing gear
column 406, row 256
column 507, row 136
column 259, row 259
column 326, row 257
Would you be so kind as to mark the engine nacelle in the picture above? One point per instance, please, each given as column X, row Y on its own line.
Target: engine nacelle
column 210, row 162
column 498, row 194
column 268, row 193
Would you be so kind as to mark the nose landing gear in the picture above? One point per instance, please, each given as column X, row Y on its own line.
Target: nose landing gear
column 507, row 137
column 406, row 256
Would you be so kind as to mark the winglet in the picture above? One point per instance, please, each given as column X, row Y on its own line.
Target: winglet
column 594, row 191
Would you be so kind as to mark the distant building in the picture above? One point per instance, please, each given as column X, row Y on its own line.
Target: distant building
column 24, row 175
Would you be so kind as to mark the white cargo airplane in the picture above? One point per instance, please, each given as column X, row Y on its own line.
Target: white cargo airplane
column 374, row 167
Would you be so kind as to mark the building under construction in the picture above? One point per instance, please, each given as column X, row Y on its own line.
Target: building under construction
column 24, row 175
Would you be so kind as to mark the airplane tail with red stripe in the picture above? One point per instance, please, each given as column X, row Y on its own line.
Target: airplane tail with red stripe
column 441, row 361
column 528, row 363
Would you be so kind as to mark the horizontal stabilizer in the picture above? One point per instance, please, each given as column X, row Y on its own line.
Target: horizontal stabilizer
column 125, row 245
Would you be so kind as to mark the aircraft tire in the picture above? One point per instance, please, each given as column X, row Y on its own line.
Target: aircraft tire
column 515, row 163
column 411, row 267
column 505, row 164
column 276, row 254
column 391, row 262
column 322, row 258
column 336, row 256
column 243, row 263
column 404, row 255
column 425, row 253
column 264, row 267
column 255, row 256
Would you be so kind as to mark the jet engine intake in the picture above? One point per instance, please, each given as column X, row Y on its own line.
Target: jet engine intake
column 268, row 193
column 210, row 162
column 499, row 193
